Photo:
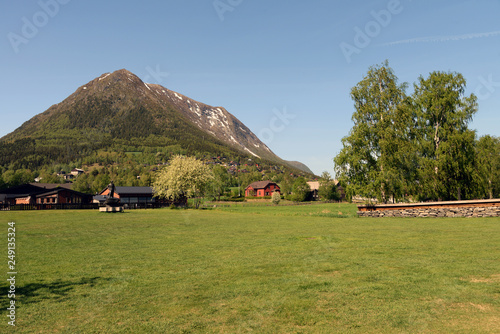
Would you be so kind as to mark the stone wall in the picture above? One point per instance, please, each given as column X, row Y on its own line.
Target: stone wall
column 493, row 211
column 470, row 208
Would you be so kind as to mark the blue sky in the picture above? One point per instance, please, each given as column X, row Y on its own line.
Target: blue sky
column 258, row 59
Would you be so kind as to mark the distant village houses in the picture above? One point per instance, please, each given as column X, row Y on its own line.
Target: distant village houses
column 261, row 189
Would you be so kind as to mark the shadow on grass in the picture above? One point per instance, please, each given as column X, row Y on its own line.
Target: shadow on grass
column 55, row 291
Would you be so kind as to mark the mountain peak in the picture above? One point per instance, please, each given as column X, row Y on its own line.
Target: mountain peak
column 122, row 74
column 119, row 107
column 117, row 76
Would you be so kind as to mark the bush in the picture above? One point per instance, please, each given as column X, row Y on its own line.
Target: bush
column 328, row 192
column 276, row 198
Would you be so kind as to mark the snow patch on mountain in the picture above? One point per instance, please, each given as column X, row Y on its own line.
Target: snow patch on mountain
column 255, row 155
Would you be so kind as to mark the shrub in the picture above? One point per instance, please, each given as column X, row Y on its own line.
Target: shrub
column 276, row 198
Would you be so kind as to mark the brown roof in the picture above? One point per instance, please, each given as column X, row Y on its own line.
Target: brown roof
column 52, row 185
column 259, row 184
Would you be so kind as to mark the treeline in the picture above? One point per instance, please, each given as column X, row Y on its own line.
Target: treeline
column 131, row 167
column 416, row 147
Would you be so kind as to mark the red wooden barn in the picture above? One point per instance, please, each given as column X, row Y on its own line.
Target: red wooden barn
column 261, row 189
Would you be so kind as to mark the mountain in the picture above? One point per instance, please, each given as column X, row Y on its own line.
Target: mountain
column 120, row 109
column 300, row 166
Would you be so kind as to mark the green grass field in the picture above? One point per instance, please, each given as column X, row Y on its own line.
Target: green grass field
column 305, row 269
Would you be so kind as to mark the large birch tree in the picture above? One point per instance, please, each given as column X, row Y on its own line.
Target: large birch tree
column 446, row 145
column 372, row 161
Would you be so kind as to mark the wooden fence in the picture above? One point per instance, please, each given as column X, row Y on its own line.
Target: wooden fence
column 93, row 206
column 22, row 207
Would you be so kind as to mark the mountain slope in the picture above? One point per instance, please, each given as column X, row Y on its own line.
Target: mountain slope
column 120, row 108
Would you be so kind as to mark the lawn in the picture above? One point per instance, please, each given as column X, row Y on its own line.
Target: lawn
column 260, row 270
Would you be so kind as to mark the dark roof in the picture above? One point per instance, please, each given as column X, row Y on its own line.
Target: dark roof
column 100, row 198
column 52, row 185
column 131, row 191
column 260, row 184
column 22, row 190
column 48, row 192
column 136, row 191
column 35, row 189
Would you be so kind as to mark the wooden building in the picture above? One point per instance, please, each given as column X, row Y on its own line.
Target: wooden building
column 314, row 185
column 131, row 195
column 261, row 189
column 43, row 193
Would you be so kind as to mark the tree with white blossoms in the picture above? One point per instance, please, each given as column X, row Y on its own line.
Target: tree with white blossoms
column 184, row 177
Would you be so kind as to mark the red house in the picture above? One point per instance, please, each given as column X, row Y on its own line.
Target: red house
column 261, row 189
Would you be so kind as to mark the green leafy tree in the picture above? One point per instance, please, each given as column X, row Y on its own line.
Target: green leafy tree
column 18, row 177
column 220, row 182
column 446, row 145
column 185, row 177
column 286, row 186
column 326, row 177
column 328, row 191
column 100, row 182
column 488, row 166
column 146, row 179
column 373, row 154
column 248, row 178
column 83, row 184
column 47, row 176
column 300, row 190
